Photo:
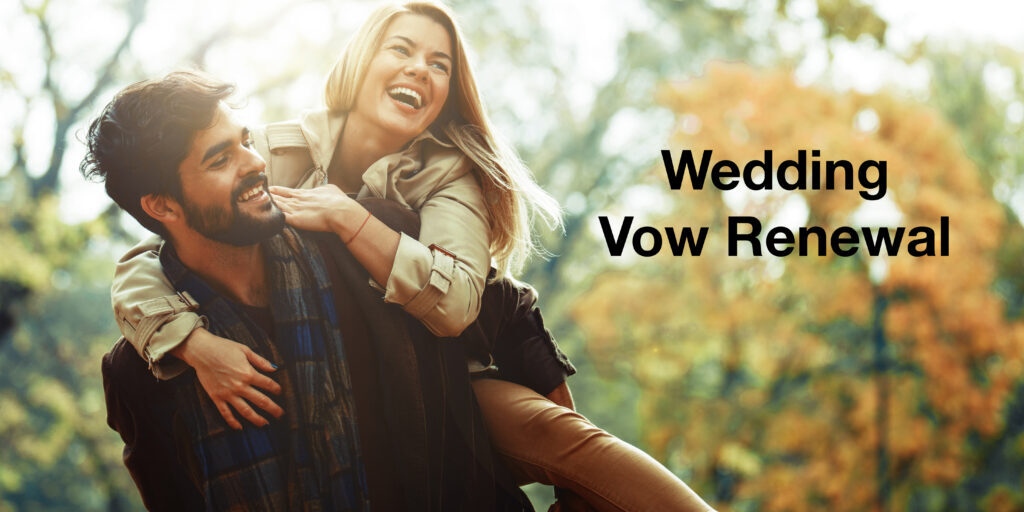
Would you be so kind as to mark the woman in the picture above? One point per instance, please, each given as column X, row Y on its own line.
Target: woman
column 405, row 122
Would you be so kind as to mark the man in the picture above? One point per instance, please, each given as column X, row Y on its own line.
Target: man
column 367, row 408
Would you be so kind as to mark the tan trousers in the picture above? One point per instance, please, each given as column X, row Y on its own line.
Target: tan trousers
column 541, row 441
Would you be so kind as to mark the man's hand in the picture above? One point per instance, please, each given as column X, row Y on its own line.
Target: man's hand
column 228, row 372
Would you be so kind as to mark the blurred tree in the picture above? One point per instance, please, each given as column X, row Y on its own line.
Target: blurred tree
column 55, row 322
column 980, row 89
column 763, row 373
column 591, row 137
column 58, row 453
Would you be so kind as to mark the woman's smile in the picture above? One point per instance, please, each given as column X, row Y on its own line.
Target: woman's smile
column 407, row 82
column 406, row 96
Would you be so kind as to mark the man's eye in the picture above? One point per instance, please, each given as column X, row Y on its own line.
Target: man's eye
column 219, row 162
column 247, row 142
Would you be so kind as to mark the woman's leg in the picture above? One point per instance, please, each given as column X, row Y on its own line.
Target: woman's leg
column 544, row 442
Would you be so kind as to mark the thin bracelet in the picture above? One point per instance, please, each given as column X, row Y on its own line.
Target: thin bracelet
column 354, row 235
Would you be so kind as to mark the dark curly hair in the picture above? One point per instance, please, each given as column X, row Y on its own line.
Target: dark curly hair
column 137, row 143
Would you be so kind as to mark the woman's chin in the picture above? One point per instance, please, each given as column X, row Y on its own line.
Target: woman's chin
column 403, row 127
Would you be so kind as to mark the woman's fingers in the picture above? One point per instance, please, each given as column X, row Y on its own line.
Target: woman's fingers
column 263, row 402
column 261, row 363
column 283, row 191
column 246, row 411
column 312, row 209
column 263, row 382
column 225, row 412
column 284, row 204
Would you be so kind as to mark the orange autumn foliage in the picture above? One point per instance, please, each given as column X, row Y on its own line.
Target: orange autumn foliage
column 764, row 369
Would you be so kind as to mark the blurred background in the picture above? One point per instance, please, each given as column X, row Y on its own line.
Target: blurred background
column 799, row 383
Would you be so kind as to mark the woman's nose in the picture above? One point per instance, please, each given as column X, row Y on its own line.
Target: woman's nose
column 417, row 69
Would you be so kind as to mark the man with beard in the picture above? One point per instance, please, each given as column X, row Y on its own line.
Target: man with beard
column 367, row 408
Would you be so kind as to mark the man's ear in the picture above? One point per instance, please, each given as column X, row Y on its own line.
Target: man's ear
column 162, row 208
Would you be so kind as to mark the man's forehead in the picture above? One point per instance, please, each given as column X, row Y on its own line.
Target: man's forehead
column 224, row 126
column 224, row 122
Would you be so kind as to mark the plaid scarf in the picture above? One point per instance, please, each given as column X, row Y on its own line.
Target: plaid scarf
column 309, row 459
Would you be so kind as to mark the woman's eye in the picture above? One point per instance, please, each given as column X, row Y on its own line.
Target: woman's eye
column 248, row 142
column 440, row 65
column 400, row 49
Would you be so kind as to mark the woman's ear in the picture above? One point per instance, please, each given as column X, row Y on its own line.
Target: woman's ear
column 162, row 208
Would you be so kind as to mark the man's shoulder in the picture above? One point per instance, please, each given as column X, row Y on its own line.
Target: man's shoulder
column 121, row 356
column 125, row 372
column 128, row 386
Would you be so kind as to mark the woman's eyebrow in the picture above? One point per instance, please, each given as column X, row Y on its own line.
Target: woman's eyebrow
column 413, row 44
column 405, row 39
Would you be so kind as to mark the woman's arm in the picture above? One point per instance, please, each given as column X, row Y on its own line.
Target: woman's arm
column 439, row 278
column 158, row 321
column 149, row 312
column 327, row 208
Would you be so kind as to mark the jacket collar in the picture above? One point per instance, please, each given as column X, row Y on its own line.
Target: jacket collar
column 323, row 128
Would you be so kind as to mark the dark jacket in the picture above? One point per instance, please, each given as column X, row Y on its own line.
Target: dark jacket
column 442, row 455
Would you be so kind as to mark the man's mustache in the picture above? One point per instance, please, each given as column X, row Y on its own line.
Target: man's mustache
column 249, row 181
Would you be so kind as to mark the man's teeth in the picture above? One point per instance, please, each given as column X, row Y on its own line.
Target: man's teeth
column 407, row 96
column 251, row 194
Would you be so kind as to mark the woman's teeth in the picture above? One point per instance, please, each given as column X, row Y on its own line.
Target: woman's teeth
column 251, row 194
column 407, row 96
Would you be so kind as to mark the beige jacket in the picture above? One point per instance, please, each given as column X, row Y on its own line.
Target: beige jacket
column 438, row 279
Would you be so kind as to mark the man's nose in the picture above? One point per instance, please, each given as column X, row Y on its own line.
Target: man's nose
column 255, row 161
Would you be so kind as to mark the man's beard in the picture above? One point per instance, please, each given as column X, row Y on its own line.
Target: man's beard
column 239, row 229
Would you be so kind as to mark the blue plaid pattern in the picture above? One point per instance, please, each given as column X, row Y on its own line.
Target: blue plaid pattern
column 309, row 459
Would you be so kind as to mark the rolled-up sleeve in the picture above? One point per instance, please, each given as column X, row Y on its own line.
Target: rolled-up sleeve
column 440, row 278
column 151, row 315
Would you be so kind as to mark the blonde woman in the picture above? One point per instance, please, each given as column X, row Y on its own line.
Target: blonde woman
column 404, row 121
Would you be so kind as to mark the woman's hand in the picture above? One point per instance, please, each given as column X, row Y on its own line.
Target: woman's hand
column 315, row 209
column 327, row 208
column 230, row 373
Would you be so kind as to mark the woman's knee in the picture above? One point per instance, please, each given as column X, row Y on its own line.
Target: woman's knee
column 520, row 420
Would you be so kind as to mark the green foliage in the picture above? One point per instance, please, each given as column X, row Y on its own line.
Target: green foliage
column 58, row 453
column 724, row 397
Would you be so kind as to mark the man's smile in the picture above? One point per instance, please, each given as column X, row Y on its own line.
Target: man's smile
column 253, row 191
column 256, row 192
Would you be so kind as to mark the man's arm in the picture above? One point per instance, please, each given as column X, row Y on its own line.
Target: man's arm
column 512, row 321
column 137, row 409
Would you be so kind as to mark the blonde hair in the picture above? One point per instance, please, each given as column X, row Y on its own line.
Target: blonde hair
column 510, row 191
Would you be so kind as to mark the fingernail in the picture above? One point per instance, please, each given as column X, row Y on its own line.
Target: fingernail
column 274, row 366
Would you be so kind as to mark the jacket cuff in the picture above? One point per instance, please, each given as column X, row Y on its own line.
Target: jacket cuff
column 166, row 323
column 165, row 339
column 420, row 276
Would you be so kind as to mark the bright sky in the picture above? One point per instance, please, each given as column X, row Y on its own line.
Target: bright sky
column 978, row 20
column 588, row 52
